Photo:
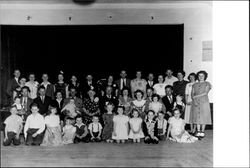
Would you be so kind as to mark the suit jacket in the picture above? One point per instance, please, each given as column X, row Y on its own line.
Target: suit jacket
column 105, row 99
column 58, row 106
column 29, row 102
column 49, row 91
column 169, row 106
column 127, row 84
column 43, row 107
column 12, row 85
column 148, row 86
column 85, row 88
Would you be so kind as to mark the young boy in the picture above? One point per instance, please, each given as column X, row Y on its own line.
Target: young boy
column 161, row 125
column 13, row 127
column 95, row 129
column 81, row 131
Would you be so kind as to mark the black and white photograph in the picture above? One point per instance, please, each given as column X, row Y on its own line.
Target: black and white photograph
column 122, row 83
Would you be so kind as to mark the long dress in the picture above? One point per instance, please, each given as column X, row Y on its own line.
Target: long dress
column 53, row 134
column 200, row 113
column 189, row 99
column 108, row 126
column 135, row 123
column 177, row 128
column 69, row 131
column 120, row 127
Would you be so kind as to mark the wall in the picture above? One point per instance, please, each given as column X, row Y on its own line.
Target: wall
column 196, row 16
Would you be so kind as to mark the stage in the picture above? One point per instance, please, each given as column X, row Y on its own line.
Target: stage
column 165, row 154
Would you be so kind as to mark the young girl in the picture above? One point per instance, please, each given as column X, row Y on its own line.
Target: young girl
column 161, row 125
column 68, row 132
column 178, row 104
column 120, row 132
column 155, row 105
column 108, row 123
column 150, row 129
column 135, row 127
column 70, row 109
column 95, row 129
column 53, row 135
column 177, row 129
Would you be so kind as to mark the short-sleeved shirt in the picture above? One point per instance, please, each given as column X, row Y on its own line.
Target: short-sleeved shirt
column 95, row 127
column 13, row 123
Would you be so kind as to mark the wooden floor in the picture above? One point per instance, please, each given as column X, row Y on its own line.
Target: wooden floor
column 165, row 154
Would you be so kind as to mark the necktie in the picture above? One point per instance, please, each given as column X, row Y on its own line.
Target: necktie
column 25, row 103
column 42, row 99
column 124, row 83
column 170, row 99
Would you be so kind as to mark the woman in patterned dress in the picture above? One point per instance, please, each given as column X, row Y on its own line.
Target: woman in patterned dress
column 90, row 107
column 200, row 108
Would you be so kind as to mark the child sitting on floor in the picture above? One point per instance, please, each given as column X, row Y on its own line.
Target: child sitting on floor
column 95, row 129
column 68, row 131
column 13, row 127
column 70, row 109
column 81, row 131
column 177, row 129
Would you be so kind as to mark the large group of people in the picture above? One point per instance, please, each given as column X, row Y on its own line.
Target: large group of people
column 120, row 111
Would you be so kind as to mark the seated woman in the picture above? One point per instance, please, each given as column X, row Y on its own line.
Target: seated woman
column 53, row 134
column 125, row 100
column 177, row 129
column 139, row 103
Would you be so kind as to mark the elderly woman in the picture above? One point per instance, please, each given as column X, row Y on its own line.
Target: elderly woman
column 90, row 107
column 188, row 98
column 200, row 108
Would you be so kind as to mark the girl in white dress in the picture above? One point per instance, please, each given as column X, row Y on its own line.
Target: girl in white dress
column 177, row 129
column 68, row 132
column 120, row 132
column 188, row 91
column 53, row 134
column 156, row 105
column 135, row 127
column 179, row 104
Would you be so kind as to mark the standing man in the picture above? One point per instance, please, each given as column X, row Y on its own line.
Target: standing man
column 150, row 82
column 88, row 85
column 122, row 82
column 170, row 79
column 12, row 85
column 49, row 88
column 138, row 84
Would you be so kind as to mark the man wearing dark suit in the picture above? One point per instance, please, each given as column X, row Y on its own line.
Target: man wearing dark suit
column 150, row 82
column 26, row 101
column 123, row 82
column 49, row 88
column 43, row 101
column 108, row 97
column 12, row 85
column 89, row 84
column 168, row 100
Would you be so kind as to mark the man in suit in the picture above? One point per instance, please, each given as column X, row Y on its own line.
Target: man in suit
column 26, row 101
column 88, row 85
column 123, row 82
column 49, row 88
column 12, row 85
column 168, row 100
column 43, row 101
column 150, row 82
column 108, row 97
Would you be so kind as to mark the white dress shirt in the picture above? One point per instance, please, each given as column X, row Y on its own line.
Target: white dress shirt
column 170, row 81
column 34, row 121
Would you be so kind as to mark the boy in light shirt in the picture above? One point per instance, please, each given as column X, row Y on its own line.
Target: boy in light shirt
column 13, row 128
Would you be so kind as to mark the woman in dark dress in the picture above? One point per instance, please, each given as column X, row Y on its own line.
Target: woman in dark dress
column 90, row 107
column 61, row 86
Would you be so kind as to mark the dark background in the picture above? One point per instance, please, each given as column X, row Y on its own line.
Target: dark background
column 96, row 49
